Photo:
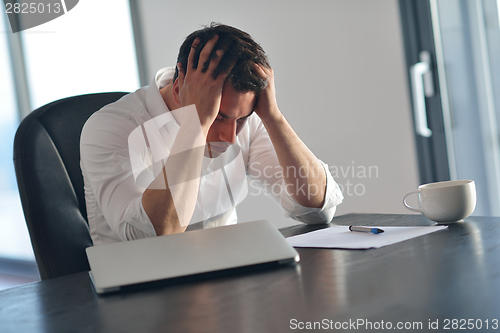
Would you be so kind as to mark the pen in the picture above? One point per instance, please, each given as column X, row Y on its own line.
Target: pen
column 366, row 229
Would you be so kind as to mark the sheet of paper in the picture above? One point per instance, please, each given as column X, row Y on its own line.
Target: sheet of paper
column 339, row 237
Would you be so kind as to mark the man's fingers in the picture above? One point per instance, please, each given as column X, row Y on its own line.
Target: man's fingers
column 264, row 72
column 214, row 62
column 207, row 50
column 258, row 68
column 223, row 74
column 194, row 46
column 182, row 74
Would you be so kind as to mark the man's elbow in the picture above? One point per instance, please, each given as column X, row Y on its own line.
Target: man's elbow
column 324, row 217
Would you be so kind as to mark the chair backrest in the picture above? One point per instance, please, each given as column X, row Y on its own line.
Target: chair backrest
column 50, row 181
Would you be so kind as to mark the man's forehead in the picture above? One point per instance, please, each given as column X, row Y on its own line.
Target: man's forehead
column 236, row 104
column 223, row 115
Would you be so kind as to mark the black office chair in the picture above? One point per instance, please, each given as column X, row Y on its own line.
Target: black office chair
column 50, row 181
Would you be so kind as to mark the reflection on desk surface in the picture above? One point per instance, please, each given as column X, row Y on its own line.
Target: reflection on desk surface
column 444, row 275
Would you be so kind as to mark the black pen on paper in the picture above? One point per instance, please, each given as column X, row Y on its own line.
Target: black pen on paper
column 366, row 229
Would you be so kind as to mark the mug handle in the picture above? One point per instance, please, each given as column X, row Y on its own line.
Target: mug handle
column 408, row 206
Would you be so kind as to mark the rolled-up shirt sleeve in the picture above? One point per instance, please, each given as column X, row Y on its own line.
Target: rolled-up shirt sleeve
column 333, row 197
column 264, row 171
column 105, row 162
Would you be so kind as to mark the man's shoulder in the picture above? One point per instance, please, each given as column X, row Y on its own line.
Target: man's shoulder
column 132, row 102
column 253, row 131
column 119, row 118
column 255, row 126
column 122, row 108
column 254, row 122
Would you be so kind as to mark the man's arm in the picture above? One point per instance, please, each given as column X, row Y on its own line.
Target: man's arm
column 292, row 153
column 170, row 200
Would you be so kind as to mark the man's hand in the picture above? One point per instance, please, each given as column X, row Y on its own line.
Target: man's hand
column 266, row 107
column 170, row 200
column 199, row 87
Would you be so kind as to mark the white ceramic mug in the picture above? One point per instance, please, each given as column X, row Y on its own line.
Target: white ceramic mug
column 448, row 201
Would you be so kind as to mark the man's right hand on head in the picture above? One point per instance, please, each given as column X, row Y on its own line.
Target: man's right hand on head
column 196, row 86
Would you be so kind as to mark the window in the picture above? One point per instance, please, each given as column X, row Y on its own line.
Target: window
column 14, row 239
column 88, row 49
column 459, row 40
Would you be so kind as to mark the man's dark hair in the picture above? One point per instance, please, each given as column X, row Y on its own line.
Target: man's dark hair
column 238, row 46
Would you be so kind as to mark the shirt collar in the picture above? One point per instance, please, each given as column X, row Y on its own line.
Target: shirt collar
column 154, row 101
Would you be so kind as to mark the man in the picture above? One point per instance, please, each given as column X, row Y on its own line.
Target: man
column 177, row 152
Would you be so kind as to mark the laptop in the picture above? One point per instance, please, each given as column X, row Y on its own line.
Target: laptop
column 179, row 257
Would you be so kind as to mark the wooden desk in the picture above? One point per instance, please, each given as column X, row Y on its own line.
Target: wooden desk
column 450, row 274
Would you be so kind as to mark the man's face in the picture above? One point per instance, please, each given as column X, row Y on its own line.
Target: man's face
column 234, row 110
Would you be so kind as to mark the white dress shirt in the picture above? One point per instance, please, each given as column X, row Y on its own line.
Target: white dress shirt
column 117, row 169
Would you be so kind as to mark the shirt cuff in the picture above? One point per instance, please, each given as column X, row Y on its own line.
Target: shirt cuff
column 333, row 197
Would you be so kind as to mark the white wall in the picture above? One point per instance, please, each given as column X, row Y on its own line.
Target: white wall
column 340, row 80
